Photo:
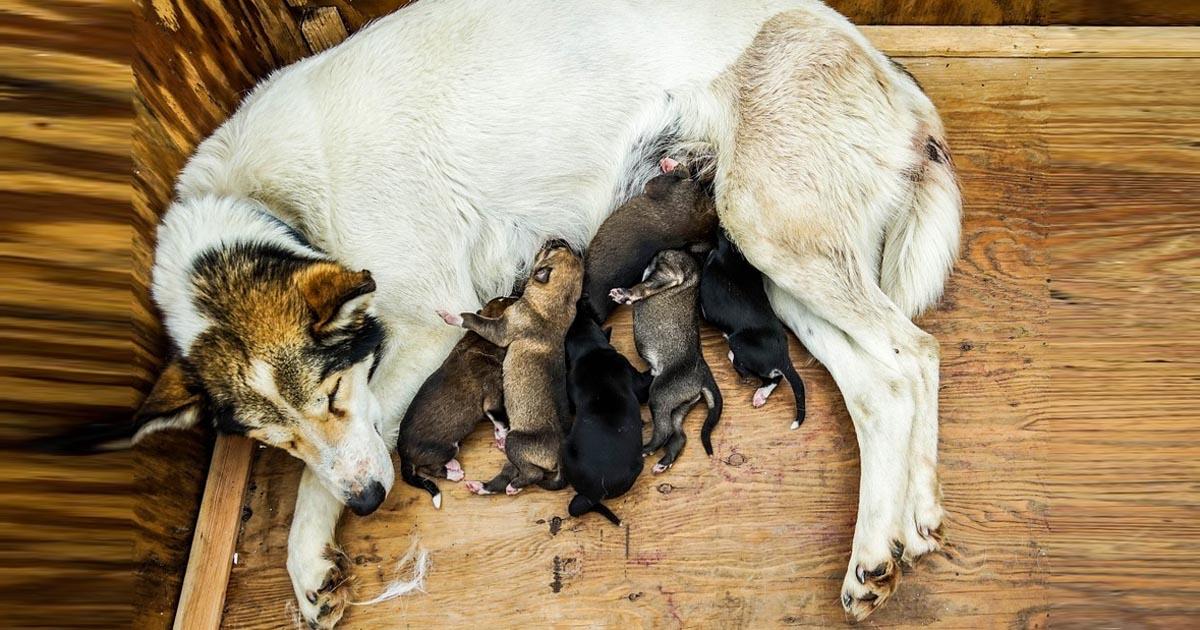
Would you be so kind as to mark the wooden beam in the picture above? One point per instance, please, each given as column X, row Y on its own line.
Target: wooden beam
column 323, row 29
column 1031, row 41
column 202, row 599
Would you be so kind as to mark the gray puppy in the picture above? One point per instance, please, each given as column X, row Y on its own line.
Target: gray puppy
column 666, row 330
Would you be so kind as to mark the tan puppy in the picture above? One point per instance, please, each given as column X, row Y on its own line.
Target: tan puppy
column 535, row 394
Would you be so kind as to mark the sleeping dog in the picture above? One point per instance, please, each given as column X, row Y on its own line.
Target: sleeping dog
column 602, row 456
column 467, row 388
column 666, row 330
column 732, row 298
column 534, row 381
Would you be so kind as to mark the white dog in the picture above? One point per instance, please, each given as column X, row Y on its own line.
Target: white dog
column 441, row 146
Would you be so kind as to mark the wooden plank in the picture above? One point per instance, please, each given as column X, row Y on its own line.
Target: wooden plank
column 212, row 556
column 1029, row 41
column 323, row 29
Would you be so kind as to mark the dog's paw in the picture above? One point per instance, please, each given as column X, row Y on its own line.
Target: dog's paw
column 322, row 590
column 667, row 164
column 659, row 468
column 511, row 490
column 475, row 487
column 868, row 585
column 923, row 531
column 501, row 442
column 450, row 318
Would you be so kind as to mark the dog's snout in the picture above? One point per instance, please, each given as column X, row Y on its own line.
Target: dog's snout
column 368, row 500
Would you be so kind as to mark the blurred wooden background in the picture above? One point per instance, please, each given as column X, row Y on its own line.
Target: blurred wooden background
column 1068, row 334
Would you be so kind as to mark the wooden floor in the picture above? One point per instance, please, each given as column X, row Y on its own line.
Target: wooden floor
column 1069, row 451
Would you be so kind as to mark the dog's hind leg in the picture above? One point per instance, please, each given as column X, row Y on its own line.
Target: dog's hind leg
column 660, row 415
column 881, row 362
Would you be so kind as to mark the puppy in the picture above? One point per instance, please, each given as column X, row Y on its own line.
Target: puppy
column 674, row 212
column 666, row 331
column 467, row 388
column 535, row 395
column 602, row 456
column 732, row 298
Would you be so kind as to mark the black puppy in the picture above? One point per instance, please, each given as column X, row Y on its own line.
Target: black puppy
column 732, row 298
column 602, row 455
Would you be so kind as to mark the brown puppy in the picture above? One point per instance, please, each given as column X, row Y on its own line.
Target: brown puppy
column 535, row 393
column 675, row 212
column 467, row 388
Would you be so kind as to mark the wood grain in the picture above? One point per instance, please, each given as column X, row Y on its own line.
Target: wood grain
column 202, row 596
column 65, row 336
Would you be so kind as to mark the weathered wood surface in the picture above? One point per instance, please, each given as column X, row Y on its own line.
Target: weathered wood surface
column 1080, row 239
column 66, row 346
column 202, row 595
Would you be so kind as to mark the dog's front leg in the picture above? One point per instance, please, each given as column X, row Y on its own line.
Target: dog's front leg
column 316, row 565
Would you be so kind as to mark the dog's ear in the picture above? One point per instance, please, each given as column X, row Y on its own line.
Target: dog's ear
column 608, row 333
column 339, row 298
column 172, row 404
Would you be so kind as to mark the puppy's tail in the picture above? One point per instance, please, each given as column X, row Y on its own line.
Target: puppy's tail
column 797, row 385
column 409, row 473
column 712, row 397
column 581, row 505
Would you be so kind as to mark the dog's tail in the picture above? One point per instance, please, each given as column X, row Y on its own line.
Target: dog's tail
column 797, row 385
column 921, row 243
column 410, row 475
column 581, row 505
column 712, row 397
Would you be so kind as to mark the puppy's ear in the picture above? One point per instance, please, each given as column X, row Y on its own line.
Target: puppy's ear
column 172, row 404
column 608, row 333
column 339, row 298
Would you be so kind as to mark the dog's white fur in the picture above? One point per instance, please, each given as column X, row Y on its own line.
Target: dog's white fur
column 441, row 146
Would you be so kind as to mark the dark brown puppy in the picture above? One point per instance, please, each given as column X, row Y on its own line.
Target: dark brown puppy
column 676, row 211
column 535, row 393
column 467, row 388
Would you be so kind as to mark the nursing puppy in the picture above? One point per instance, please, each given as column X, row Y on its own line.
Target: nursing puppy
column 732, row 298
column 467, row 388
column 666, row 330
column 602, row 456
column 535, row 396
column 673, row 212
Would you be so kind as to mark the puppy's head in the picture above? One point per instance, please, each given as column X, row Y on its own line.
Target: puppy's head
column 676, row 266
column 556, row 278
column 284, row 356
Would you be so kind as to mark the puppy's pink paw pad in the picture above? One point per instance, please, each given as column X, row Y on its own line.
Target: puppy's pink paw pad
column 659, row 468
column 510, row 490
column 450, row 318
column 476, row 487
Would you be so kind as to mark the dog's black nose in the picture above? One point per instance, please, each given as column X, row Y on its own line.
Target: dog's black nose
column 368, row 500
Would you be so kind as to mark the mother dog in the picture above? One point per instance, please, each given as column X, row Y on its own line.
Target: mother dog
column 441, row 146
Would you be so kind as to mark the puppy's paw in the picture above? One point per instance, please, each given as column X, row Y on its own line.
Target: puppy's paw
column 476, row 487
column 659, row 468
column 450, row 318
column 455, row 475
column 501, row 442
column 510, row 490
column 667, row 164
column 620, row 296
